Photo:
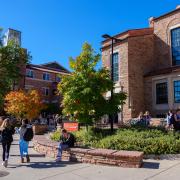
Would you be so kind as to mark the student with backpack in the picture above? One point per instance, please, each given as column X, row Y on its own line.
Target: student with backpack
column 7, row 132
column 26, row 135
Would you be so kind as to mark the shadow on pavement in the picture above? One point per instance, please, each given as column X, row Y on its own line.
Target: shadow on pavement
column 150, row 165
column 42, row 165
column 30, row 155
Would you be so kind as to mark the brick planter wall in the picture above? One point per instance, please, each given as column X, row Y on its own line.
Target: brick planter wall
column 40, row 128
column 131, row 159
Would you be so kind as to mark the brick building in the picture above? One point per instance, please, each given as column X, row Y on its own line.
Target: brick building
column 147, row 66
column 45, row 78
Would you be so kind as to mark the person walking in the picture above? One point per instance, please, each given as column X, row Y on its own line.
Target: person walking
column 7, row 132
column 67, row 140
column 26, row 135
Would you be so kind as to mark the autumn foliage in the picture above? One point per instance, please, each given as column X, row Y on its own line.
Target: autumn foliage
column 24, row 104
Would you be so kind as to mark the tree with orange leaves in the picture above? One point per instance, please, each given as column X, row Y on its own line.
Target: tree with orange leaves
column 24, row 104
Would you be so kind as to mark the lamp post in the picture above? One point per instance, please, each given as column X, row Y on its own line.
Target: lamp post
column 113, row 39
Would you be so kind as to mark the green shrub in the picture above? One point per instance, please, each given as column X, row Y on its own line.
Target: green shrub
column 55, row 136
column 150, row 141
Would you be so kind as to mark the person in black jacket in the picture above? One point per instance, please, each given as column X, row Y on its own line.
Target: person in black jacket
column 67, row 140
column 7, row 132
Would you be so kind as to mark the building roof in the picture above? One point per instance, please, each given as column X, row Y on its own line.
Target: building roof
column 54, row 65
column 132, row 33
column 167, row 14
column 51, row 66
column 125, row 35
column 163, row 71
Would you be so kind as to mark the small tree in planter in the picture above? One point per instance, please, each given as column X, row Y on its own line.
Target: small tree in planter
column 83, row 91
column 24, row 104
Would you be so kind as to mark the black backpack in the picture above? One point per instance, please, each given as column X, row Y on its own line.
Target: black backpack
column 28, row 135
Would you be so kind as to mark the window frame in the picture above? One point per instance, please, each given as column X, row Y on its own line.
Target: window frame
column 158, row 102
column 45, row 92
column 28, row 73
column 174, row 63
column 176, row 91
column 46, row 75
column 115, row 73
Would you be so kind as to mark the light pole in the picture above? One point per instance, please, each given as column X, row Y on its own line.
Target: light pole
column 113, row 39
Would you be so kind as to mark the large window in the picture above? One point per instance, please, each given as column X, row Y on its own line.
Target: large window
column 29, row 73
column 175, row 44
column 161, row 93
column 177, row 91
column 46, row 76
column 115, row 67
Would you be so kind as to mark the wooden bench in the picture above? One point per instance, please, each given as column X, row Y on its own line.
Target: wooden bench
column 133, row 159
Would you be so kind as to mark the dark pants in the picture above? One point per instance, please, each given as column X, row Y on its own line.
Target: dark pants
column 6, row 149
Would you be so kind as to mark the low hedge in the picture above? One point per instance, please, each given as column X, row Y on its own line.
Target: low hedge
column 150, row 141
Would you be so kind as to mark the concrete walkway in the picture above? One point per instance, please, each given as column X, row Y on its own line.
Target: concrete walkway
column 42, row 168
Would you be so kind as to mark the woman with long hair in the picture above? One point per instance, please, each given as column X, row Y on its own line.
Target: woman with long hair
column 23, row 143
column 7, row 132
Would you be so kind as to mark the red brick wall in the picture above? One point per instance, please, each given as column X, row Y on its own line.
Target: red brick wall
column 141, row 61
column 38, row 83
column 163, row 39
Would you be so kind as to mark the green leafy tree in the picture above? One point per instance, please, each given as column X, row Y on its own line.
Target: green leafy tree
column 12, row 59
column 84, row 90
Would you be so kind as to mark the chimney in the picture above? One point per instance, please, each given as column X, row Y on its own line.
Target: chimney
column 178, row 7
column 151, row 22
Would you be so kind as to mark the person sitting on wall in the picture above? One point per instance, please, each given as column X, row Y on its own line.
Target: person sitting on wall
column 147, row 118
column 140, row 119
column 67, row 140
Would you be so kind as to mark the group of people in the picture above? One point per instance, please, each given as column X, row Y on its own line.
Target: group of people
column 144, row 118
column 173, row 120
column 25, row 135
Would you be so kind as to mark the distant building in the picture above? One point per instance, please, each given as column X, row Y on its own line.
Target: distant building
column 147, row 66
column 12, row 34
column 43, row 78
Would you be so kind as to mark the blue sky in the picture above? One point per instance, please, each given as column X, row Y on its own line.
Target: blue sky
column 56, row 29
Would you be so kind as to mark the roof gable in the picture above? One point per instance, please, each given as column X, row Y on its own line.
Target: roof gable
column 54, row 65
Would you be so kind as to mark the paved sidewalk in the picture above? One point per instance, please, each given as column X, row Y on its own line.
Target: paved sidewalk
column 42, row 168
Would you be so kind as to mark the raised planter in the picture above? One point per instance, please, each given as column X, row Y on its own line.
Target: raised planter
column 133, row 159
column 39, row 128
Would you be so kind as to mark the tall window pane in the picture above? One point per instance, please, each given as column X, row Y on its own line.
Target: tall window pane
column 115, row 67
column 175, row 44
column 161, row 93
column 177, row 91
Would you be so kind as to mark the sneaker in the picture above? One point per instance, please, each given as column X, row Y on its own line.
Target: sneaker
column 22, row 160
column 6, row 163
column 28, row 159
column 58, row 159
column 3, row 163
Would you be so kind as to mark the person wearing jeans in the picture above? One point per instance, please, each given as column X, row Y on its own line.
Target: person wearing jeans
column 23, row 145
column 67, row 140
column 7, row 132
